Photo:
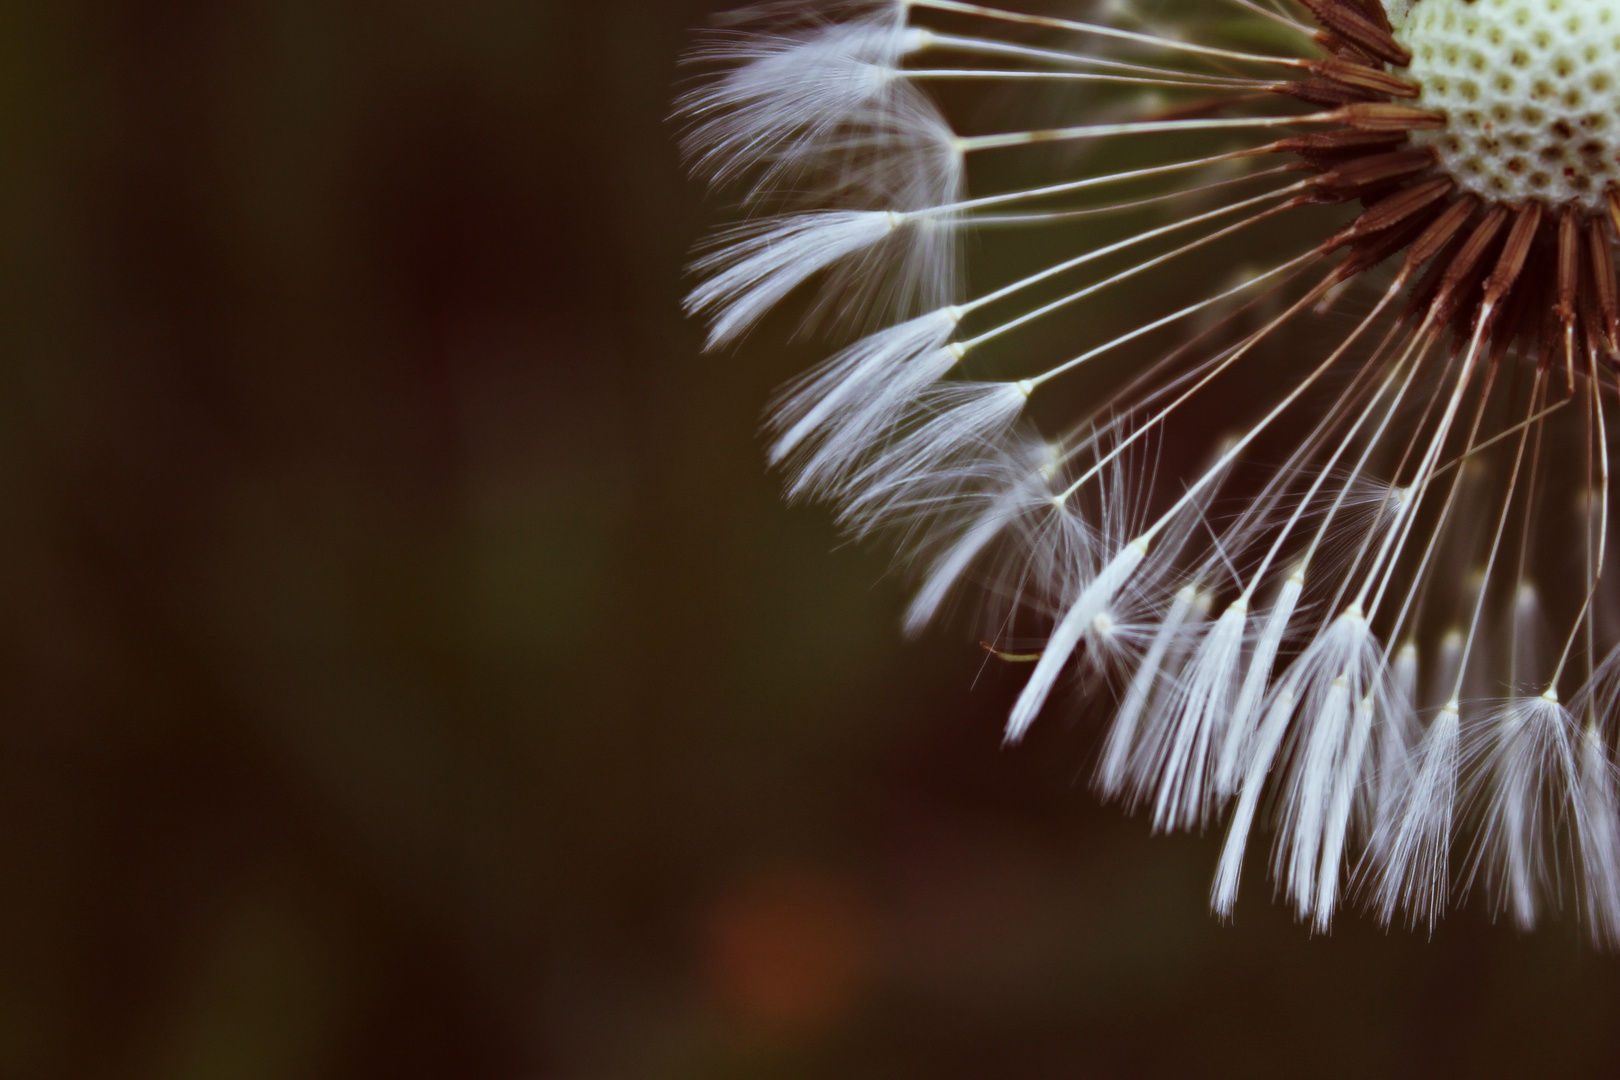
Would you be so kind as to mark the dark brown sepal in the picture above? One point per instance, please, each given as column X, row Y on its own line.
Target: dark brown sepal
column 1353, row 177
column 1368, row 251
column 1438, row 236
column 1467, row 265
column 1549, row 346
column 1367, row 80
column 1337, row 47
column 1515, row 253
column 1322, row 92
column 1388, row 116
column 1354, row 23
column 1599, row 338
column 1374, row 10
column 1569, row 265
column 1603, row 280
column 1397, row 210
column 1332, row 146
column 1527, row 307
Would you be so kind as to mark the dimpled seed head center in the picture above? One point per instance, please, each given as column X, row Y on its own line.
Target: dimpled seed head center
column 1530, row 89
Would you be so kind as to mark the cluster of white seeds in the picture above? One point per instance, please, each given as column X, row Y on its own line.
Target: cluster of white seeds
column 1531, row 89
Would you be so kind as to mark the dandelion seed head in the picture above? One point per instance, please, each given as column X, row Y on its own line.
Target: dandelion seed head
column 1530, row 90
column 1280, row 414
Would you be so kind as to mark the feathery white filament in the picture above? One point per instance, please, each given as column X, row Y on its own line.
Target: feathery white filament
column 1067, row 634
column 1526, row 787
column 1246, row 711
column 1101, row 30
column 754, row 266
column 839, row 394
column 790, row 95
column 1393, row 749
column 1122, row 735
column 949, row 423
column 1598, row 837
column 949, row 567
column 1416, row 843
column 1340, row 684
column 1178, row 758
column 1268, row 739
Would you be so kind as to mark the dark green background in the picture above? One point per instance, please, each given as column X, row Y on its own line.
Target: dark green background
column 408, row 669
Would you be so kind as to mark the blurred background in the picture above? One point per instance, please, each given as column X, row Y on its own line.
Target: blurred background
column 409, row 669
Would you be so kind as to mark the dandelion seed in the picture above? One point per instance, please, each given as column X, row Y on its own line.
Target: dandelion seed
column 1394, row 749
column 1123, row 736
column 848, row 405
column 1362, row 610
column 1527, row 786
column 1094, row 600
column 797, row 92
column 1416, row 842
column 753, row 267
column 1599, row 840
column 1021, row 499
column 1246, row 711
column 1338, row 682
column 1177, row 762
column 947, row 422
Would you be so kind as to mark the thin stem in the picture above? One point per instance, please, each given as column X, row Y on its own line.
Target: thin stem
column 1490, row 562
column 1344, row 490
column 969, row 144
column 1238, row 445
column 1191, row 309
column 1123, row 275
column 1079, row 185
column 1102, row 31
column 1274, row 16
column 932, row 40
column 1037, row 218
column 1102, row 252
column 1420, row 344
column 1442, row 430
column 1148, row 77
column 1530, row 493
column 1595, row 567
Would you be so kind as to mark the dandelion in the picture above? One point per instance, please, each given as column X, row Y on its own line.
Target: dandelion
column 1272, row 408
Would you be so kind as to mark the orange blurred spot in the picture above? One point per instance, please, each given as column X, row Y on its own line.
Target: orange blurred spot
column 789, row 951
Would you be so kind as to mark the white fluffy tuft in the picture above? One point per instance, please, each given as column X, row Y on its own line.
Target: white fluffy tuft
column 1341, row 687
column 1092, row 601
column 789, row 93
column 1598, row 837
column 753, row 267
column 829, row 419
column 1176, row 763
column 1524, row 789
column 1414, row 845
column 947, row 426
column 1164, row 655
